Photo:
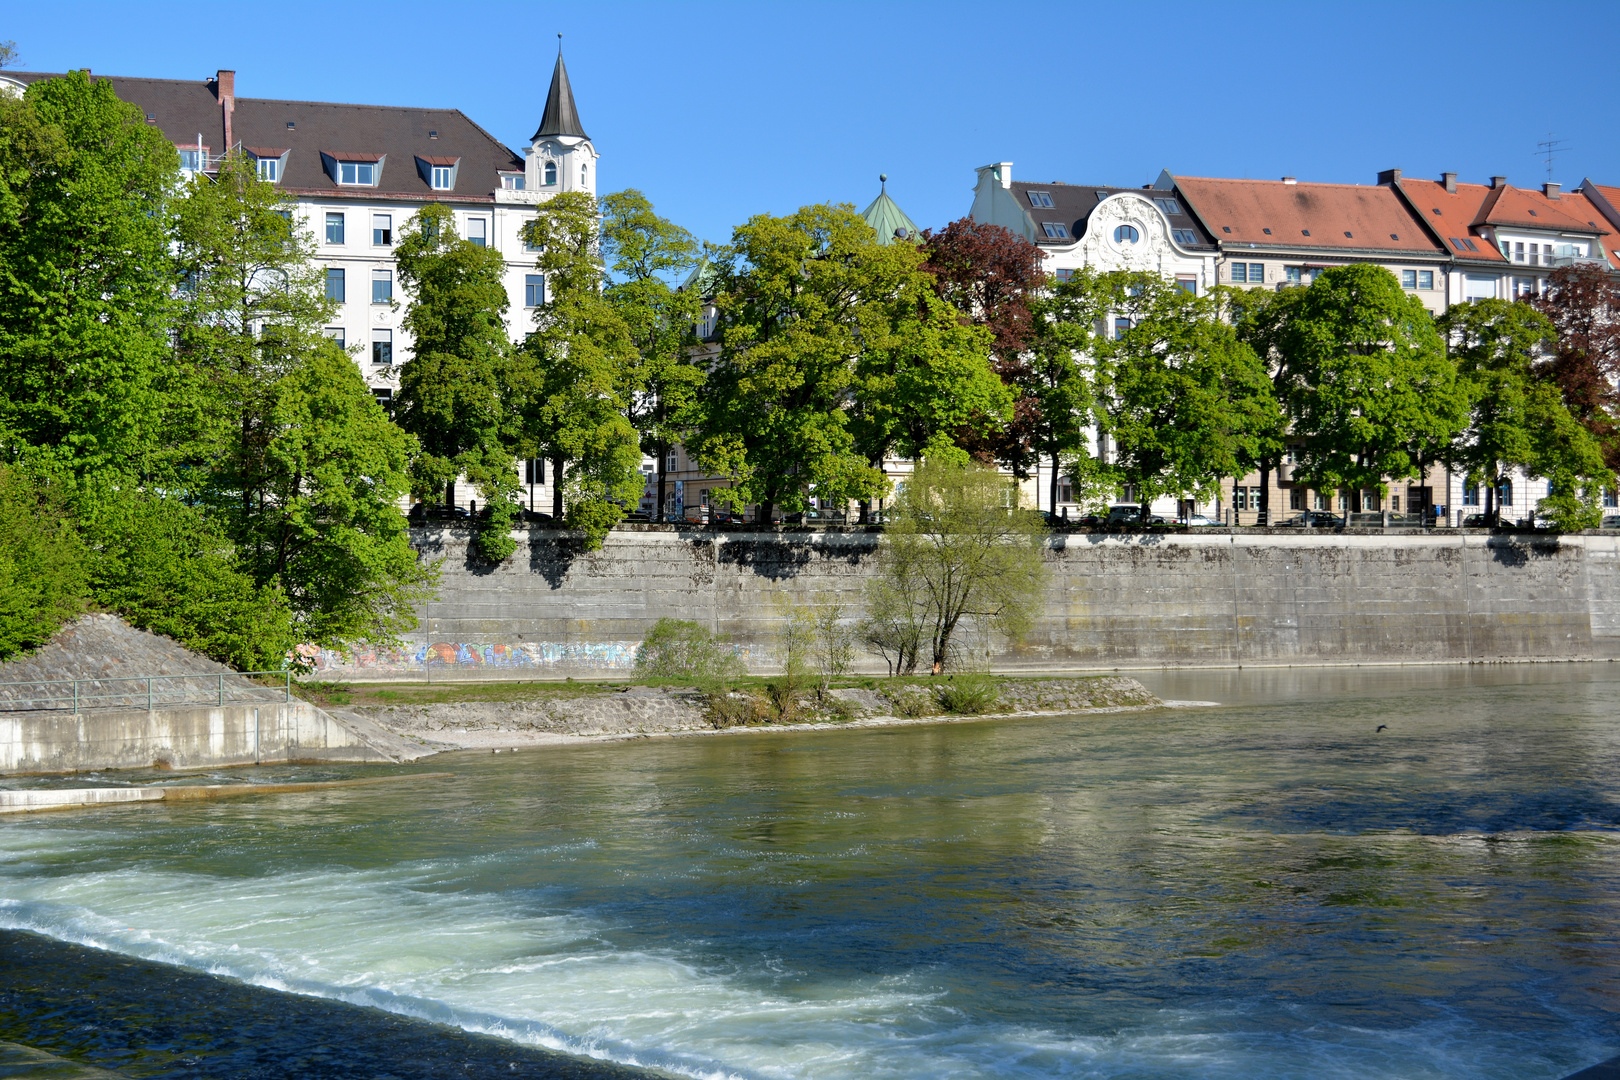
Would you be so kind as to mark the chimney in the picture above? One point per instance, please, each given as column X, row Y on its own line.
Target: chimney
column 1450, row 180
column 1289, row 180
column 225, row 87
column 1551, row 190
column 1389, row 176
column 1498, row 181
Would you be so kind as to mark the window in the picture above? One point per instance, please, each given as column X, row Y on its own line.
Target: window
column 1249, row 272
column 1504, row 492
column 534, row 290
column 1126, row 234
column 441, row 178
column 1323, row 500
column 1187, row 284
column 1120, row 326
column 512, row 182
column 1523, row 286
column 382, row 347
column 382, row 286
column 1293, row 274
column 1296, row 498
column 1065, row 275
column 1245, row 498
column 1518, row 253
column 1370, row 503
column 1040, row 198
column 1169, row 206
column 1611, row 497
column 476, row 230
column 335, row 333
column 1127, row 493
column 1055, row 229
column 191, row 160
column 1470, row 495
column 551, row 174
column 1408, row 279
column 384, row 396
column 669, row 462
column 584, row 172
column 269, row 169
column 334, row 228
column 1184, row 236
column 534, row 470
column 334, row 284
column 1425, row 279
column 361, row 173
column 382, row 229
column 1065, row 490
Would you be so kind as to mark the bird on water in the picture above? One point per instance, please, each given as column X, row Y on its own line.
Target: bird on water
column 1379, row 728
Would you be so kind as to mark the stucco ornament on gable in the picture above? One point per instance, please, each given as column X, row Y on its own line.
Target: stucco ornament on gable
column 1152, row 247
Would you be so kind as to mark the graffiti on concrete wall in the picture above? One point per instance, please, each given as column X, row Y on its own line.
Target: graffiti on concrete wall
column 528, row 655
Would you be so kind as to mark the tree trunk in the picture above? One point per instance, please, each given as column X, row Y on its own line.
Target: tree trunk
column 1490, row 505
column 556, row 488
column 1056, row 465
column 450, row 494
column 1265, row 493
column 765, row 508
column 663, row 458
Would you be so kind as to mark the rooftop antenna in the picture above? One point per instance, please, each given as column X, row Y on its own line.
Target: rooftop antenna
column 1548, row 149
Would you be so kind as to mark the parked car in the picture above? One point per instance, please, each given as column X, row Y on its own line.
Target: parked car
column 422, row 513
column 1055, row 521
column 1611, row 521
column 1123, row 514
column 1314, row 519
column 1089, row 521
column 1199, row 521
column 1475, row 521
column 535, row 517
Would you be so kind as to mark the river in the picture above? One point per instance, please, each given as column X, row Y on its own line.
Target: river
column 1267, row 888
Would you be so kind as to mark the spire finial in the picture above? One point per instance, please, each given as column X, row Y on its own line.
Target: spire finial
column 883, row 178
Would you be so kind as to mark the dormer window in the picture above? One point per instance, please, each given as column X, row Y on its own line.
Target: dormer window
column 1169, row 206
column 512, row 181
column 353, row 170
column 439, row 172
column 1055, row 230
column 551, row 174
column 268, row 163
column 1040, row 198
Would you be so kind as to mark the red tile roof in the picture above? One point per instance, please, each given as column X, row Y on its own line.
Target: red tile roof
column 1451, row 215
column 1509, row 205
column 1334, row 216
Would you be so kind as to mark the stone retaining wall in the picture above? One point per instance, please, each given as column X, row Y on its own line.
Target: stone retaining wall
column 1215, row 597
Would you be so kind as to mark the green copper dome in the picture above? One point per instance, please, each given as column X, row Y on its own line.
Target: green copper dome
column 887, row 219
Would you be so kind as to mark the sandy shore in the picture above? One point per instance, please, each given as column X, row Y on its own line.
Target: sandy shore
column 503, row 741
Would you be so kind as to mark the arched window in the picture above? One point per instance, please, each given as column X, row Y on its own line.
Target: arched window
column 583, row 172
column 1126, row 234
column 551, row 174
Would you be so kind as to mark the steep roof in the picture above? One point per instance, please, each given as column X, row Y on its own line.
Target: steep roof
column 306, row 129
column 1275, row 213
column 1072, row 205
column 560, row 117
column 1605, row 199
column 887, row 219
column 1450, row 215
column 1509, row 205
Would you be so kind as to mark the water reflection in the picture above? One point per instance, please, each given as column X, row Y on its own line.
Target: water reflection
column 1268, row 888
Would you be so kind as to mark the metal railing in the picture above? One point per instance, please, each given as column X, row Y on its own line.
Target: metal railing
column 140, row 691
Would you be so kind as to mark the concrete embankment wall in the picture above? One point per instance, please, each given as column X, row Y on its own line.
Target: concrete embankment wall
column 1215, row 597
column 177, row 737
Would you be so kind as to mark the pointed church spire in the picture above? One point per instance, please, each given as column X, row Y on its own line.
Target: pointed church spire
column 561, row 118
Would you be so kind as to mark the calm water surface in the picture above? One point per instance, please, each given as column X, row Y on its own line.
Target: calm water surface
column 1269, row 888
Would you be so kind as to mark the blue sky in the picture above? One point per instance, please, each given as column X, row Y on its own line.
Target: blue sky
column 723, row 110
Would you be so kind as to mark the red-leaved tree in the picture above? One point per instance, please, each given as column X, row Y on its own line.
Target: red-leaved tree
column 1583, row 303
column 990, row 274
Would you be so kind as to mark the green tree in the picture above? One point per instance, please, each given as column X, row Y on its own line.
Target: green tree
column 643, row 252
column 923, row 376
column 43, row 582
column 251, row 307
column 1517, row 418
column 795, row 296
column 957, row 548
column 577, row 373
column 454, row 391
column 86, row 280
column 1367, row 380
column 164, row 566
column 1184, row 400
